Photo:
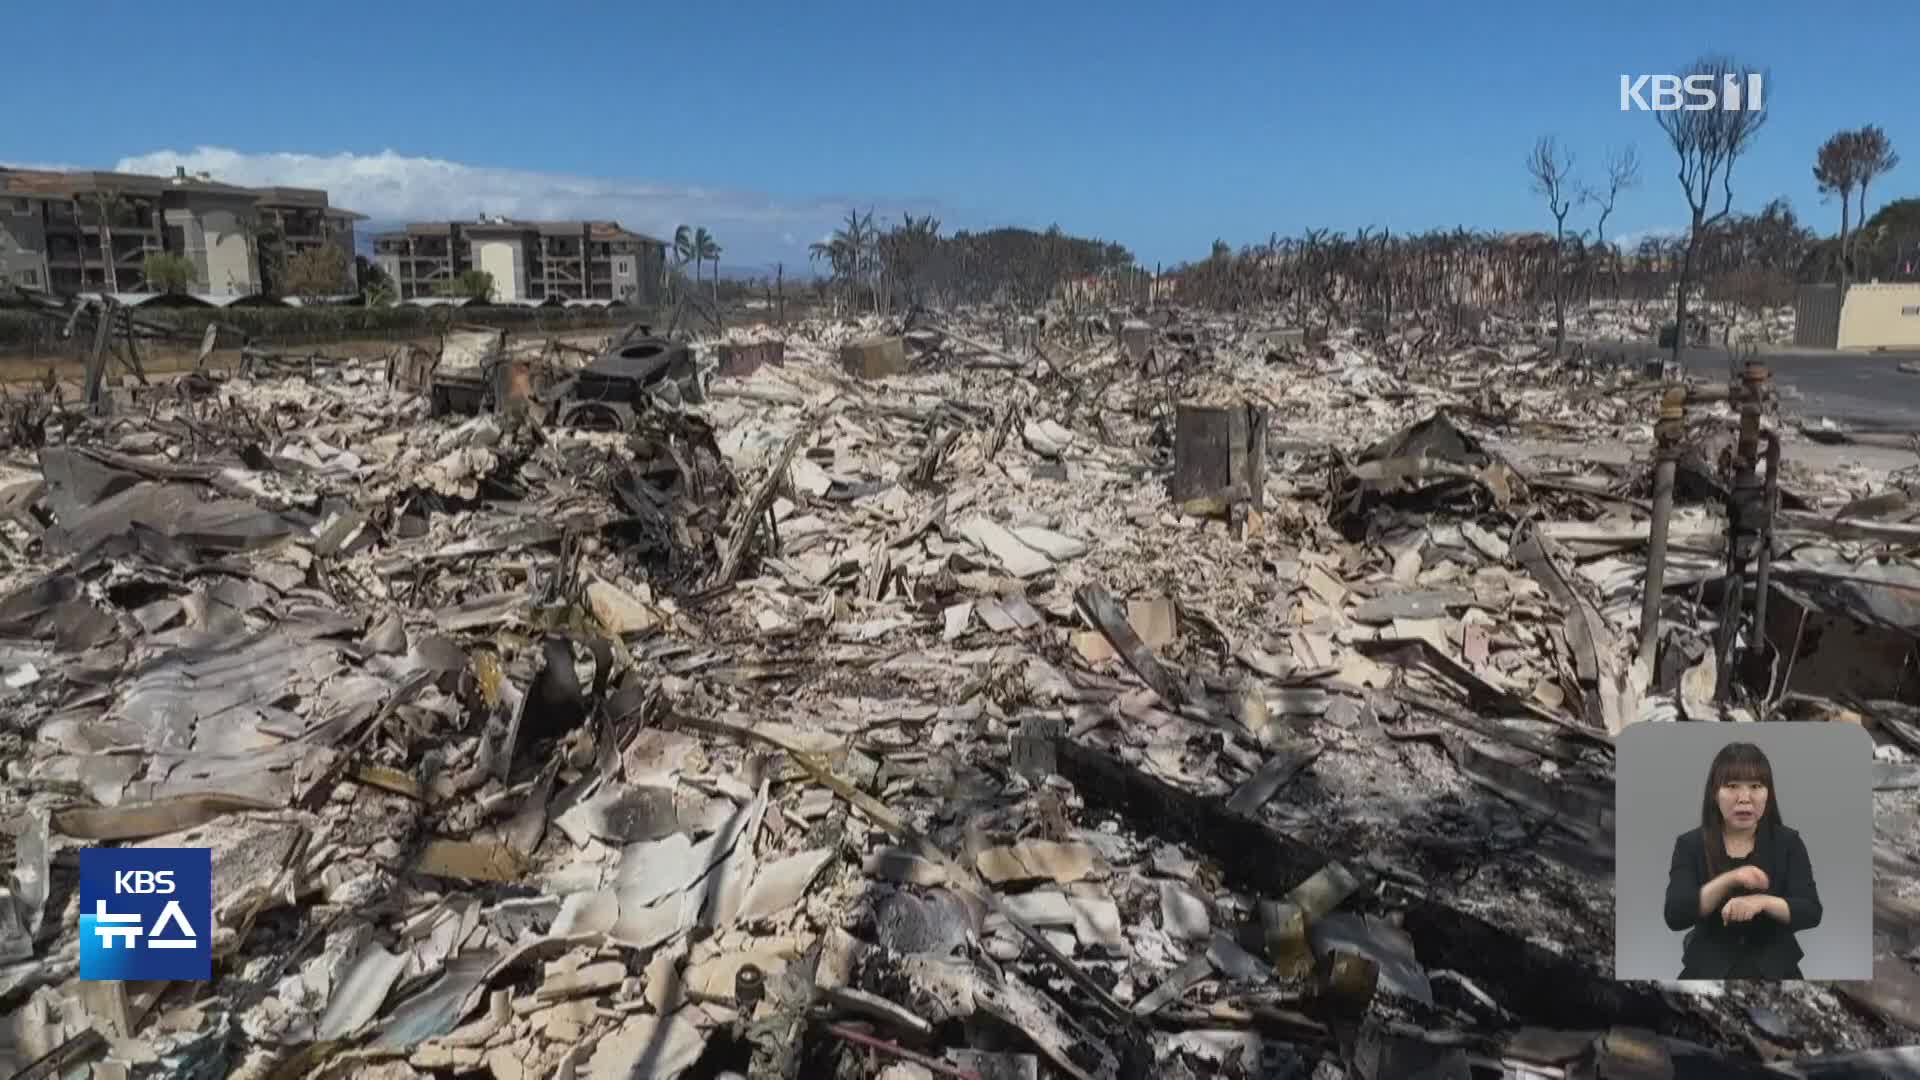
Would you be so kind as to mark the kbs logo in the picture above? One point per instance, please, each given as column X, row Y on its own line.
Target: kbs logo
column 146, row 913
column 143, row 881
column 1692, row 93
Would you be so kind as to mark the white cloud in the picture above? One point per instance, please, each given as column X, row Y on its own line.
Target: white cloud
column 390, row 187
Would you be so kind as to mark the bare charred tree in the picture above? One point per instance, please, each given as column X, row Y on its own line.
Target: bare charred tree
column 1552, row 172
column 1708, row 142
column 1623, row 173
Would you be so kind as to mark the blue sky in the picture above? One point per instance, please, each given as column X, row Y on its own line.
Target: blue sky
column 1161, row 126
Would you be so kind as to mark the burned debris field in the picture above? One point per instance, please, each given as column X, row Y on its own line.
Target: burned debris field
column 1148, row 690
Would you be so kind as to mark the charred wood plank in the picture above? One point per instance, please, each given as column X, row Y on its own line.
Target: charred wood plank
column 1220, row 450
column 1106, row 616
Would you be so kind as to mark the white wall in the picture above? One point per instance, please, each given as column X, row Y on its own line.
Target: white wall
column 230, row 262
column 1881, row 317
column 501, row 258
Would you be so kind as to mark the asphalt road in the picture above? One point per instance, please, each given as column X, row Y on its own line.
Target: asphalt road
column 1853, row 390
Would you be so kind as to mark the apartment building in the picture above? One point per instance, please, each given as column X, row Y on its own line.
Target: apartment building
column 72, row 232
column 528, row 260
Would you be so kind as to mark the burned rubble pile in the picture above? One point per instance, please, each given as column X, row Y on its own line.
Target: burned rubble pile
column 966, row 698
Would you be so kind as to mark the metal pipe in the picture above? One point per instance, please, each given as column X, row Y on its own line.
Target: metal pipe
column 1765, row 574
column 1667, row 433
column 1749, row 521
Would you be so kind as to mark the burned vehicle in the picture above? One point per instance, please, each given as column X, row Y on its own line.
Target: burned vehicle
column 606, row 394
column 609, row 391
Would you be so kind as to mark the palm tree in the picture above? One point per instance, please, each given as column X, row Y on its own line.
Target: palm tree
column 834, row 253
column 906, row 251
column 698, row 245
column 684, row 251
column 706, row 247
column 850, row 252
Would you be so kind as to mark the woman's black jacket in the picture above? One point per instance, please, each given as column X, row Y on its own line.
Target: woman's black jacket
column 1762, row 947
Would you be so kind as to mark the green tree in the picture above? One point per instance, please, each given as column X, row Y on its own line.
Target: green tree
column 471, row 284
column 1889, row 241
column 1902, row 215
column 168, row 273
column 318, row 271
column 367, row 274
column 374, row 284
column 380, row 293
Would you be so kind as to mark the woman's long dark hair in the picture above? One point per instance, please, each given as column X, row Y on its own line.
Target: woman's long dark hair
column 1735, row 762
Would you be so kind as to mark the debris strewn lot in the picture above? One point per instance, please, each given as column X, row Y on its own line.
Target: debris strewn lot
column 960, row 699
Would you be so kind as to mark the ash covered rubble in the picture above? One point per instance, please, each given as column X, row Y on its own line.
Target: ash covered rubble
column 976, row 697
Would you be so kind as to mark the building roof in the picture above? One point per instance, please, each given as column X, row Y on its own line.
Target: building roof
column 32, row 184
column 343, row 212
column 613, row 230
column 206, row 186
column 593, row 230
column 311, row 198
column 495, row 227
column 52, row 184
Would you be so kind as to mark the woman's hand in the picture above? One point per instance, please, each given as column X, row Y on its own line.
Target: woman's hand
column 1744, row 908
column 1713, row 892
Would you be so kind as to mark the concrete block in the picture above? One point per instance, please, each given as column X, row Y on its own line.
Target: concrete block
column 1287, row 338
column 876, row 358
column 1135, row 338
column 741, row 359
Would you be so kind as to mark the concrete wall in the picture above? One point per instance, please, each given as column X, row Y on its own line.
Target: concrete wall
column 1881, row 317
column 626, row 277
column 23, row 243
column 653, row 272
column 213, row 236
column 340, row 234
column 391, row 264
column 184, row 226
column 502, row 259
column 230, row 259
column 647, row 269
